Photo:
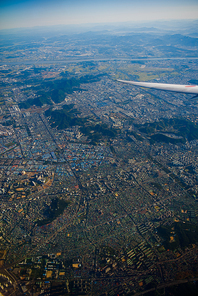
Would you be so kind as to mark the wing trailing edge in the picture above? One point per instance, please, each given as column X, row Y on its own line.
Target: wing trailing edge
column 187, row 89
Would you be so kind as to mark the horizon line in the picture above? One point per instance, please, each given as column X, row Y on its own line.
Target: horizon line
column 102, row 23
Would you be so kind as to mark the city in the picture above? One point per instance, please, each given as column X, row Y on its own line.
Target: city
column 99, row 180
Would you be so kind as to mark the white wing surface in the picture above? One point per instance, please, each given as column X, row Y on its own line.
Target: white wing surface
column 187, row 89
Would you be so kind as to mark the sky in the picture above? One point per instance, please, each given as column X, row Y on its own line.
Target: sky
column 30, row 13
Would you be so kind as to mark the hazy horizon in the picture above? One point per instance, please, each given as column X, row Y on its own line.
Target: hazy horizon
column 29, row 13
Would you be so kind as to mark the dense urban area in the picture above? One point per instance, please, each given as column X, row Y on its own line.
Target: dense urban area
column 98, row 179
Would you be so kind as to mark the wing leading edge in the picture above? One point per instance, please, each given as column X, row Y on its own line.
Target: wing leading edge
column 187, row 89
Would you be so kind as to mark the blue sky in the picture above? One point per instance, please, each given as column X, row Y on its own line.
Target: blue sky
column 29, row 13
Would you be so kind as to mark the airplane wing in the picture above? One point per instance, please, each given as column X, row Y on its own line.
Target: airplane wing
column 187, row 89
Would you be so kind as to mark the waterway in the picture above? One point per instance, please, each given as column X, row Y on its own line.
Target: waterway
column 77, row 60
